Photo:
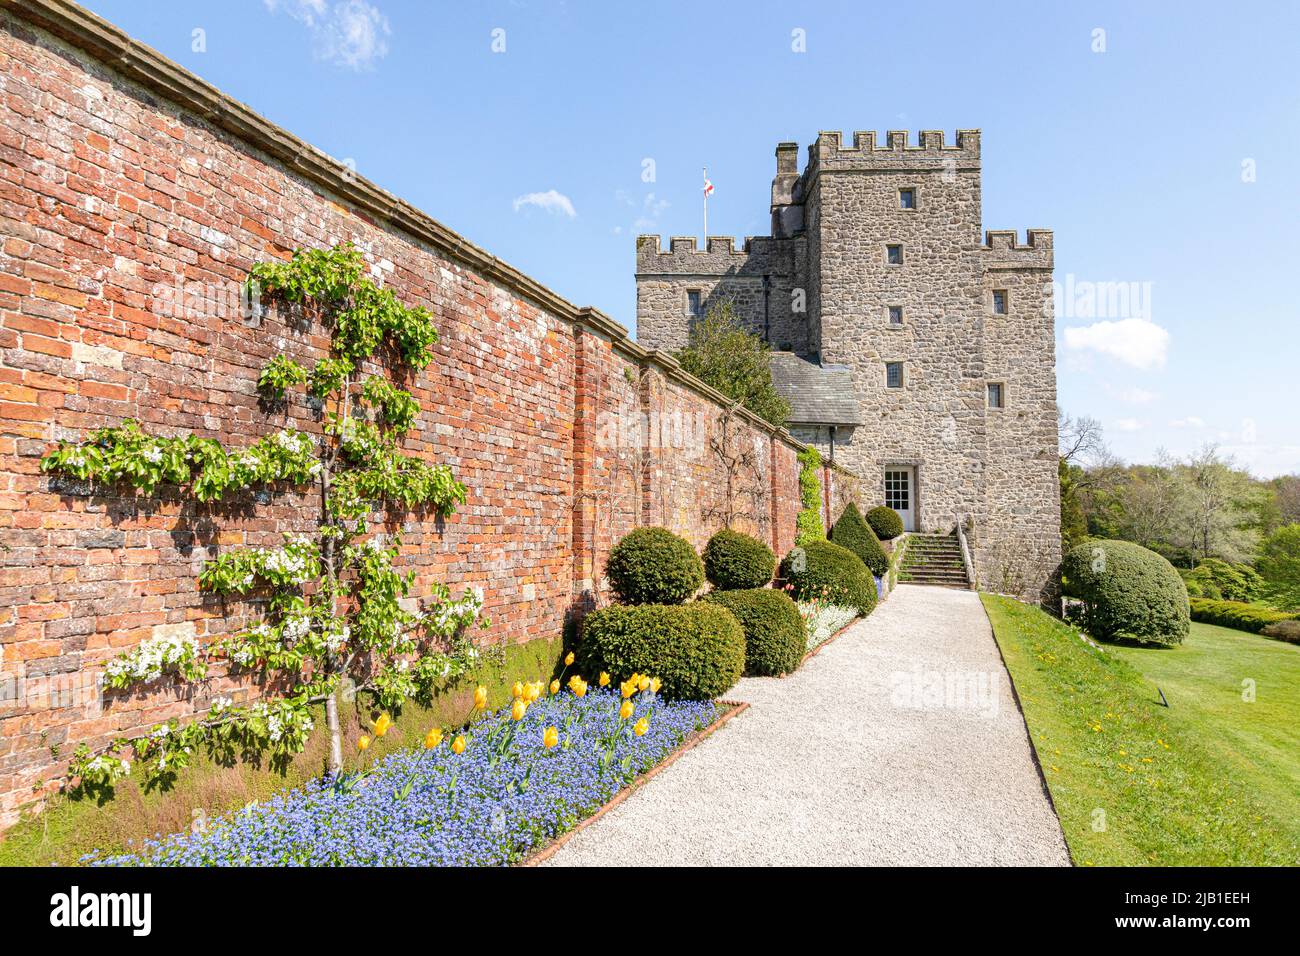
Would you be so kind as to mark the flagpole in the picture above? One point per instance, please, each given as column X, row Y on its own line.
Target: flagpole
column 706, row 206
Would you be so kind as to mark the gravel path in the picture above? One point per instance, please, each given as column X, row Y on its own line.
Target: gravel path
column 899, row 744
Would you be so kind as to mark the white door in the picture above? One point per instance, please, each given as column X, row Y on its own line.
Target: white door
column 900, row 494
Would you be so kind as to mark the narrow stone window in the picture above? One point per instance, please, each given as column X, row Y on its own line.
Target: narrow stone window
column 996, row 395
column 893, row 374
column 907, row 199
column 999, row 301
column 693, row 303
column 894, row 254
column 895, row 315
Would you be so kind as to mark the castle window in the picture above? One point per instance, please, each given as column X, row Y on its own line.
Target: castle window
column 894, row 255
column 895, row 315
column 997, row 397
column 693, row 299
column 999, row 301
column 907, row 199
column 893, row 374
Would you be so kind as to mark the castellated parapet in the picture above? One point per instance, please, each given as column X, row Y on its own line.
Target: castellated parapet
column 877, row 264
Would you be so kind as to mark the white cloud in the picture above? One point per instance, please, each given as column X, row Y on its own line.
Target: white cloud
column 349, row 33
column 1191, row 421
column 1136, row 342
column 649, row 209
column 1132, row 395
column 1266, row 461
column 1128, row 425
column 551, row 201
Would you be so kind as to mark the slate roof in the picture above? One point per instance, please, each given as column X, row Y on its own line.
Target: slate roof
column 818, row 394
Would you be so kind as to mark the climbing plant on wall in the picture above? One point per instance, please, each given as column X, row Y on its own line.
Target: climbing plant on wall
column 808, row 524
column 335, row 602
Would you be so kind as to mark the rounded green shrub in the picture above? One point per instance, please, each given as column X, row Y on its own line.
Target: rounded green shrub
column 885, row 522
column 852, row 532
column 824, row 570
column 697, row 649
column 774, row 635
column 735, row 561
column 1128, row 592
column 654, row 566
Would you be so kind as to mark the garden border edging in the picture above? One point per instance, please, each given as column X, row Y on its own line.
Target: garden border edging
column 550, row 849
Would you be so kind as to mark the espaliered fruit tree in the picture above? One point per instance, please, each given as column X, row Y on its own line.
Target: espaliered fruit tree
column 335, row 609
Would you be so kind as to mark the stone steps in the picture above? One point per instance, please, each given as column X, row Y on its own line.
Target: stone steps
column 935, row 560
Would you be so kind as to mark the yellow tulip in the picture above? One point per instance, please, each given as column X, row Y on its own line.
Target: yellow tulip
column 533, row 691
column 604, row 679
column 382, row 725
column 517, row 691
column 518, row 710
column 568, row 660
column 555, row 687
column 363, row 743
column 627, row 688
column 458, row 745
column 480, row 697
column 550, row 737
column 626, row 710
column 432, row 738
column 643, row 683
column 577, row 685
column 655, row 684
column 640, row 727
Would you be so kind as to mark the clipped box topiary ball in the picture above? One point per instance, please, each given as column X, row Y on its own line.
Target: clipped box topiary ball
column 823, row 569
column 775, row 641
column 697, row 650
column 852, row 532
column 1129, row 592
column 735, row 561
column 885, row 522
column 654, row 566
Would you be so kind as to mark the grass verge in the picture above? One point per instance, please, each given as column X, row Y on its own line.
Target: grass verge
column 1133, row 783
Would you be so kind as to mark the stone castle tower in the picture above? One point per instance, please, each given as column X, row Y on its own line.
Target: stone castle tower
column 914, row 353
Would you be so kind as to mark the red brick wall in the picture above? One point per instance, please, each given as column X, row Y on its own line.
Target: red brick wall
column 109, row 196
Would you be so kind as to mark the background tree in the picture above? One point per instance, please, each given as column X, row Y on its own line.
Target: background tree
column 723, row 354
column 1086, row 468
column 1216, row 508
column 335, row 608
column 1278, row 563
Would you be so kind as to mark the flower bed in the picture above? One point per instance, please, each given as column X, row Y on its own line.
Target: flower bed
column 822, row 621
column 516, row 784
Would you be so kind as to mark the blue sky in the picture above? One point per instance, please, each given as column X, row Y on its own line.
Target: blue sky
column 1170, row 159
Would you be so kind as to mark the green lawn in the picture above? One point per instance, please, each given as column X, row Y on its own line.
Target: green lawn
column 1203, row 682
column 1135, row 783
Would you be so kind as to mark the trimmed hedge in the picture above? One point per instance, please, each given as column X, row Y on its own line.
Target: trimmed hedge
column 852, row 532
column 824, row 570
column 1128, row 592
column 885, row 522
column 1236, row 615
column 774, row 632
column 735, row 561
column 697, row 650
column 654, row 566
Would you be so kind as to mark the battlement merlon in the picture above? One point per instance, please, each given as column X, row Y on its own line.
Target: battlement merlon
column 895, row 153
column 758, row 255
column 1001, row 251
